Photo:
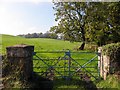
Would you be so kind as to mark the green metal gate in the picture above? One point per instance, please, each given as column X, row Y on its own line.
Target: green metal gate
column 66, row 64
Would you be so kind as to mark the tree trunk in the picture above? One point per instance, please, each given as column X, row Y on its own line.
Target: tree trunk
column 82, row 46
column 83, row 38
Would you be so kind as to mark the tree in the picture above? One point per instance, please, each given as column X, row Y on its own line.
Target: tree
column 71, row 17
column 40, row 35
column 103, row 23
column 95, row 22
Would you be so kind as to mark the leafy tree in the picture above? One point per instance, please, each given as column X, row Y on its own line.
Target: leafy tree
column 88, row 21
column 40, row 35
column 103, row 23
column 71, row 17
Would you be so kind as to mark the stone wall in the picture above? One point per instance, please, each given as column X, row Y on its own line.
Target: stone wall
column 104, row 63
column 20, row 57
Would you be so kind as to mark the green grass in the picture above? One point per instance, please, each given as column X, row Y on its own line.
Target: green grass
column 63, row 63
column 39, row 43
column 110, row 82
column 43, row 44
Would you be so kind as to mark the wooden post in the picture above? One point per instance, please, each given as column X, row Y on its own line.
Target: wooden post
column 20, row 56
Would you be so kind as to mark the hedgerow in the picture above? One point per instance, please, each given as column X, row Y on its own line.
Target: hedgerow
column 113, row 51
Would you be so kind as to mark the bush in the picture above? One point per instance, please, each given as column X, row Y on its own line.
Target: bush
column 91, row 47
column 113, row 51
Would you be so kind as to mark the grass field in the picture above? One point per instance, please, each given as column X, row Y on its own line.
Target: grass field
column 43, row 44
column 39, row 43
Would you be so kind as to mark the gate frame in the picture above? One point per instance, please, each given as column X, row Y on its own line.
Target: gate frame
column 68, row 53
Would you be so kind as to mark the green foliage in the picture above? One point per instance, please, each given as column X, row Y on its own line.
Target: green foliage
column 112, row 50
column 88, row 21
column 40, row 35
column 71, row 20
column 104, row 25
column 91, row 47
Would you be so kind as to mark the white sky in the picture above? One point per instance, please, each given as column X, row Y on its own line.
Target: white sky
column 10, row 21
column 13, row 23
column 33, row 1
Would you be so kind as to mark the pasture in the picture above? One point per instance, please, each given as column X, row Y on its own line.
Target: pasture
column 43, row 44
column 39, row 43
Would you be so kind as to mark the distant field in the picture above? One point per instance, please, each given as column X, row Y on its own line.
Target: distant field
column 39, row 43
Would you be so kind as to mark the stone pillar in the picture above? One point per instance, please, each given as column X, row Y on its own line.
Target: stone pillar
column 100, row 61
column 20, row 56
column 103, row 63
column 106, row 66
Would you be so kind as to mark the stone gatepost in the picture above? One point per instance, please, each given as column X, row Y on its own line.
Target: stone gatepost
column 20, row 56
column 103, row 63
column 100, row 61
column 106, row 66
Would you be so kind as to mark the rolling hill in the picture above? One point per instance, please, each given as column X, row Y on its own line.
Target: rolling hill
column 39, row 43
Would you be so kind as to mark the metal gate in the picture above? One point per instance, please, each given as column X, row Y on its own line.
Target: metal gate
column 66, row 64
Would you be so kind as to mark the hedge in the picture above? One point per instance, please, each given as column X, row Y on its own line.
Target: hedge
column 113, row 51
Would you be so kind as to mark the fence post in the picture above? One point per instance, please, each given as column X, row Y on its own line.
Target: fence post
column 20, row 56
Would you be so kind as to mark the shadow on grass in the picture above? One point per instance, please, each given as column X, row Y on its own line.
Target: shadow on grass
column 73, row 84
column 60, row 84
column 39, row 83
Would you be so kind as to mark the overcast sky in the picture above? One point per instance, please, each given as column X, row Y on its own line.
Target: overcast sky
column 26, row 16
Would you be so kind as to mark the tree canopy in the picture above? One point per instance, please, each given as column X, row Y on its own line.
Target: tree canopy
column 88, row 22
